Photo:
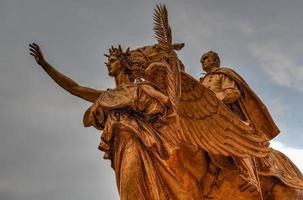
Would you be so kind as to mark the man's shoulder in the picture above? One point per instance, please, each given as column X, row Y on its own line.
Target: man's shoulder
column 231, row 74
column 218, row 72
column 226, row 70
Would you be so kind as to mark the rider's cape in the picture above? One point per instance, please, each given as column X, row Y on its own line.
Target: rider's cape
column 252, row 106
column 276, row 163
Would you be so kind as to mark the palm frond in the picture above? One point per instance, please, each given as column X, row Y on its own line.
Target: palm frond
column 162, row 28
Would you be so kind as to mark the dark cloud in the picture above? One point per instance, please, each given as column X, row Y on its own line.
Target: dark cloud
column 46, row 153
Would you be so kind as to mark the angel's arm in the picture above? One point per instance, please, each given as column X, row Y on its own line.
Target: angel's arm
column 86, row 93
column 156, row 94
column 166, row 77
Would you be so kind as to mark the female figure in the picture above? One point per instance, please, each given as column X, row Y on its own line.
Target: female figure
column 130, row 116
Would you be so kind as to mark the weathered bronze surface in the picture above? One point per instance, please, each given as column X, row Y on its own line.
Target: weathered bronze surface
column 234, row 92
column 170, row 137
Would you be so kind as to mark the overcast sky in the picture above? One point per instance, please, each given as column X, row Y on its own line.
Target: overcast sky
column 46, row 153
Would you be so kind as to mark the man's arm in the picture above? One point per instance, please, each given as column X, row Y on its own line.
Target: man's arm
column 230, row 91
column 88, row 94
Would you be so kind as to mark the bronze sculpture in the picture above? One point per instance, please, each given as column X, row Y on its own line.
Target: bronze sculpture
column 231, row 89
column 156, row 117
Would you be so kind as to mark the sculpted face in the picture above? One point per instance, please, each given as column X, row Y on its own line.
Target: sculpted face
column 209, row 62
column 114, row 65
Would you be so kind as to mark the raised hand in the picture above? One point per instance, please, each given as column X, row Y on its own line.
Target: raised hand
column 36, row 53
column 62, row 80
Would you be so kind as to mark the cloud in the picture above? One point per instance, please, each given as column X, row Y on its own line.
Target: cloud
column 279, row 65
column 45, row 153
column 295, row 155
column 279, row 108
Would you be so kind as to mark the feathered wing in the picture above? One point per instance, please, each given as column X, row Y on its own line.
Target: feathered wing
column 204, row 120
column 207, row 123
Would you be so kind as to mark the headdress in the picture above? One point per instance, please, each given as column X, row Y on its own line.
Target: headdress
column 129, row 65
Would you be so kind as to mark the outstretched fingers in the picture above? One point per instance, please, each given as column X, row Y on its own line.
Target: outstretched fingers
column 35, row 46
column 32, row 51
column 32, row 48
column 36, row 52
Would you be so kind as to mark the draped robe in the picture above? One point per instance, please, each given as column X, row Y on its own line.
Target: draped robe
column 131, row 117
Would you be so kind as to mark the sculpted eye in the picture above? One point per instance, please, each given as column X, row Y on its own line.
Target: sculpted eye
column 203, row 59
column 112, row 60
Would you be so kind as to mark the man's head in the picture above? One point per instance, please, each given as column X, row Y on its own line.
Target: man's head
column 209, row 61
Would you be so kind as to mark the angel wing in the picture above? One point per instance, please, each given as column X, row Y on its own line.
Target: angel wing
column 204, row 120
column 207, row 123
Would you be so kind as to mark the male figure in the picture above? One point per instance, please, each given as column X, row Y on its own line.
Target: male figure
column 234, row 92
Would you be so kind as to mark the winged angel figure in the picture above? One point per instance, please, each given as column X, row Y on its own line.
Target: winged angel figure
column 160, row 127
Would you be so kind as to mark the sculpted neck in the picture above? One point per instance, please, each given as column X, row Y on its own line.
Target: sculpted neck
column 211, row 70
column 121, row 79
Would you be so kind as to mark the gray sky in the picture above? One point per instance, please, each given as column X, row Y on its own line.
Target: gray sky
column 46, row 153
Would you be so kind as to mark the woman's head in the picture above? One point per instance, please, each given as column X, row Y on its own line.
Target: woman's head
column 134, row 62
column 121, row 62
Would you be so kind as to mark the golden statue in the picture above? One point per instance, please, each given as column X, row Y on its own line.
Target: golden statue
column 235, row 93
column 164, row 132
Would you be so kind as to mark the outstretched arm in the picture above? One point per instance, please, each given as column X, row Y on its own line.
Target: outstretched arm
column 65, row 82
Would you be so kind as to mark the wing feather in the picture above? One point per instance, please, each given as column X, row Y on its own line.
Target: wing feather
column 204, row 120
column 207, row 123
